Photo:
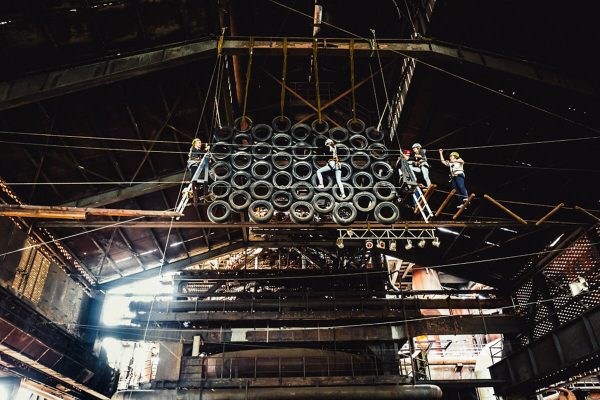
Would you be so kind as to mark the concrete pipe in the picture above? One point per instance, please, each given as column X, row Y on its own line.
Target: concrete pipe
column 338, row 135
column 302, row 151
column 302, row 170
column 374, row 135
column 356, row 126
column 241, row 180
column 221, row 171
column 359, row 142
column 320, row 127
column 282, row 200
column 239, row 200
column 281, row 160
column 223, row 134
column 368, row 392
column 281, row 141
column 241, row 160
column 382, row 170
column 261, row 190
column 302, row 212
column 262, row 150
column 260, row 211
column 241, row 142
column 364, row 201
column 262, row 132
column 360, row 160
column 303, row 191
column 220, row 189
column 282, row 180
column 218, row 211
column 323, row 203
column 220, row 150
column 344, row 213
column 261, row 170
column 281, row 124
column 301, row 132
column 386, row 212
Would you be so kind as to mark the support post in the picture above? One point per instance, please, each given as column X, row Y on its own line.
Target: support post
column 551, row 213
column 445, row 202
column 506, row 210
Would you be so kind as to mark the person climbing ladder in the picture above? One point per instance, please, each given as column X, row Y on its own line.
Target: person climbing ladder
column 198, row 161
column 419, row 162
column 333, row 164
column 457, row 174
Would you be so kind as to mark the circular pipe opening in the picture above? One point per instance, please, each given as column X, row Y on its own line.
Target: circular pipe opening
column 241, row 160
column 338, row 134
column 243, row 124
column 241, row 141
column 359, row 142
column 281, row 124
column 281, row 160
column 300, row 131
column 320, row 127
column 356, row 126
column 262, row 132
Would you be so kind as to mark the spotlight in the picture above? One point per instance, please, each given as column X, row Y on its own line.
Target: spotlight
column 350, row 232
column 369, row 244
column 339, row 243
column 380, row 244
column 421, row 243
column 393, row 245
column 436, row 242
column 408, row 245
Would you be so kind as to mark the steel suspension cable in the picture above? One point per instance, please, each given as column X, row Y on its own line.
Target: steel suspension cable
column 316, row 68
column 248, row 74
column 352, row 79
column 283, row 76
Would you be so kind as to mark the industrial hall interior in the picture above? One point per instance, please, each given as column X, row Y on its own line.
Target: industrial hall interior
column 299, row 199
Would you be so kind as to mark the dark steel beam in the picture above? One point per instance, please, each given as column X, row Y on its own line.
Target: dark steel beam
column 316, row 226
column 126, row 193
column 566, row 352
column 46, row 85
column 444, row 325
column 173, row 266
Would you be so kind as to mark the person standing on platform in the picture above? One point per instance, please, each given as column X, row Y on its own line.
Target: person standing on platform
column 457, row 173
column 420, row 162
column 198, row 161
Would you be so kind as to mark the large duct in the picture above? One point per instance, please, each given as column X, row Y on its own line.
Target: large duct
column 379, row 392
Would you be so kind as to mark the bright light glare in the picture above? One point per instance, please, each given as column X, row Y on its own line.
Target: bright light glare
column 448, row 231
column 556, row 240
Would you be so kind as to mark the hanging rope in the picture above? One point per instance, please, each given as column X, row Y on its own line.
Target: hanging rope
column 248, row 72
column 285, row 43
column 352, row 79
column 317, row 79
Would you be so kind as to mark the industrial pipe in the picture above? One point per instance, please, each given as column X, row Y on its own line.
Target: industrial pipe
column 379, row 392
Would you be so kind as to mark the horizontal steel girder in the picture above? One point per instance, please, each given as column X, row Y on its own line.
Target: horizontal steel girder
column 50, row 84
column 278, row 226
column 568, row 351
column 333, row 304
column 441, row 325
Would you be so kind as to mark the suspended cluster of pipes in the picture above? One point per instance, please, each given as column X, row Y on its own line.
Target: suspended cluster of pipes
column 266, row 168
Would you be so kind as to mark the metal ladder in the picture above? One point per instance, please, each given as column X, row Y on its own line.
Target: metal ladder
column 185, row 198
column 422, row 205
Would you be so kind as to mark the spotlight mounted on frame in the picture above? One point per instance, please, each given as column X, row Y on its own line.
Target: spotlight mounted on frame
column 339, row 243
column 380, row 244
column 369, row 244
column 393, row 245
column 436, row 242
column 408, row 244
column 422, row 243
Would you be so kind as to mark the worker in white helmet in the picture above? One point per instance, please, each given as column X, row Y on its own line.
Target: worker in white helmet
column 333, row 164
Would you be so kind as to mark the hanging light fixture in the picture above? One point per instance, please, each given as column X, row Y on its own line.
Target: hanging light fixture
column 421, row 243
column 339, row 243
column 436, row 242
column 408, row 244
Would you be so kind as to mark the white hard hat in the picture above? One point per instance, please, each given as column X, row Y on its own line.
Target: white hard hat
column 329, row 142
column 416, row 145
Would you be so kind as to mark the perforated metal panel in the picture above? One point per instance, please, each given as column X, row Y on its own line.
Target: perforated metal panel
column 546, row 298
